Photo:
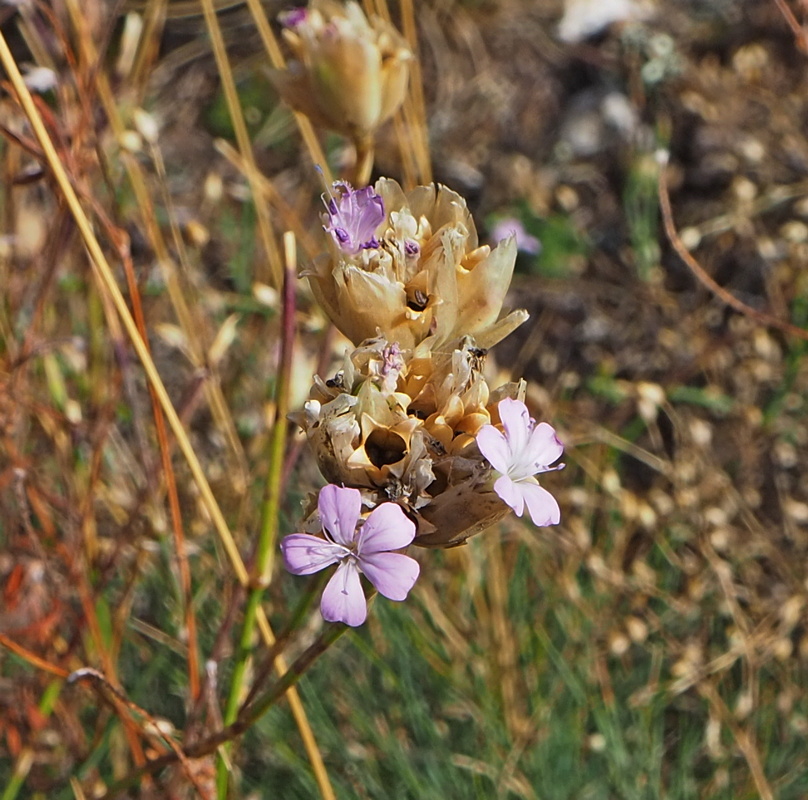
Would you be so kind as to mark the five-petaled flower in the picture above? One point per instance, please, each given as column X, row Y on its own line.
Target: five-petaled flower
column 524, row 450
column 366, row 549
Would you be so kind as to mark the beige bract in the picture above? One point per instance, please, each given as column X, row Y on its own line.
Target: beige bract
column 349, row 74
column 422, row 276
column 400, row 425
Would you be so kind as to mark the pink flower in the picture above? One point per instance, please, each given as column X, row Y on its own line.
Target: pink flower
column 364, row 549
column 512, row 226
column 522, row 451
column 354, row 217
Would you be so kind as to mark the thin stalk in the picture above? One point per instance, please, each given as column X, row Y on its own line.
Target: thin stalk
column 276, row 59
column 264, row 702
column 245, row 720
column 173, row 502
column 314, row 590
column 268, row 534
column 105, row 277
column 364, row 161
column 154, row 18
column 414, row 104
column 243, row 139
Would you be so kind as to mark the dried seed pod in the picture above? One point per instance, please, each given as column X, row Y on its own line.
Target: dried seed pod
column 349, row 73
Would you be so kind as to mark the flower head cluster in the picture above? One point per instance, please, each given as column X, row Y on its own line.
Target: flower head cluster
column 410, row 267
column 349, row 74
column 409, row 425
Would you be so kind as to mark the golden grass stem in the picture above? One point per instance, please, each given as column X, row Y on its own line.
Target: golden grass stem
column 154, row 17
column 106, row 278
column 244, row 143
column 276, row 59
column 414, row 104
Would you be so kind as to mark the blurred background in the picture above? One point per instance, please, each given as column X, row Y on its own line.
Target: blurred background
column 654, row 644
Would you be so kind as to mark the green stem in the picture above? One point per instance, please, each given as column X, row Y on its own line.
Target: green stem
column 268, row 533
column 26, row 758
column 246, row 719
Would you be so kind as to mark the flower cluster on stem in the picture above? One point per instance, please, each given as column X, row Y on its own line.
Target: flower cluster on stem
column 416, row 447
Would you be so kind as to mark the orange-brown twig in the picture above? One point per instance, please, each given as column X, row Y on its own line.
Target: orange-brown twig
column 707, row 280
column 102, row 686
column 32, row 658
column 800, row 37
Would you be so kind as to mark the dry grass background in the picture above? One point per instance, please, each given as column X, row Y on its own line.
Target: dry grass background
column 654, row 645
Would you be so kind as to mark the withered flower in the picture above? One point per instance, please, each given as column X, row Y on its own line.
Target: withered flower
column 401, row 425
column 349, row 74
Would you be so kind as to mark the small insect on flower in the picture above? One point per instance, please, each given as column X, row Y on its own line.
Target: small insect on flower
column 518, row 454
column 358, row 546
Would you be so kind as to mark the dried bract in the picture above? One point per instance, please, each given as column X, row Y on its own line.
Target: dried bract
column 420, row 273
column 349, row 73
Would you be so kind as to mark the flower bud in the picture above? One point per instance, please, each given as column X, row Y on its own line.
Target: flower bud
column 349, row 74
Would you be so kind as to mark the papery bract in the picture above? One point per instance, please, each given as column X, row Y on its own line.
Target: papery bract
column 349, row 73
column 427, row 277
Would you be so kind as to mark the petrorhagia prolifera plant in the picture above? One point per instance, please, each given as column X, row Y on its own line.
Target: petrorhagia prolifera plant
column 409, row 425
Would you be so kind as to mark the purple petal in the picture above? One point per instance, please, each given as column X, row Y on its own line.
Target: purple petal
column 393, row 574
column 494, row 447
column 343, row 599
column 541, row 505
column 354, row 217
column 511, row 226
column 339, row 509
column 510, row 492
column 293, row 17
column 544, row 447
column 387, row 528
column 516, row 421
column 304, row 554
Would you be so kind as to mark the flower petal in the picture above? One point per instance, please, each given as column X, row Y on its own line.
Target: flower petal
column 387, row 528
column 354, row 217
column 544, row 447
column 393, row 574
column 510, row 493
column 494, row 447
column 339, row 509
column 304, row 553
column 343, row 599
column 541, row 505
column 516, row 421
